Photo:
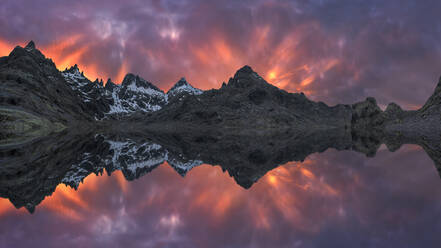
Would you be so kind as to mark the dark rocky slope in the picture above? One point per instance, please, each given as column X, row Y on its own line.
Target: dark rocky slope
column 31, row 82
column 249, row 102
column 92, row 94
column 35, row 99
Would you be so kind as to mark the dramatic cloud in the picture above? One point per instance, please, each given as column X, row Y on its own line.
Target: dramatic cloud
column 335, row 51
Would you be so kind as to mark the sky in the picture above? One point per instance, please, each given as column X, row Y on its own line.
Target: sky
column 334, row 51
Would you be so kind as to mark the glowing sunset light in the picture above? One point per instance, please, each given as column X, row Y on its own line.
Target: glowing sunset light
column 68, row 52
column 5, row 48
column 5, row 206
column 272, row 75
column 122, row 181
column 69, row 194
column 307, row 173
column 272, row 179
column 262, row 220
column 59, row 205
column 121, row 73
column 307, row 81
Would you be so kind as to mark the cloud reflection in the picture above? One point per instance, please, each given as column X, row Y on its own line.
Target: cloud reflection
column 333, row 198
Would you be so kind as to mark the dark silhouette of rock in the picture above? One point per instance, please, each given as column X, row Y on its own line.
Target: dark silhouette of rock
column 248, row 101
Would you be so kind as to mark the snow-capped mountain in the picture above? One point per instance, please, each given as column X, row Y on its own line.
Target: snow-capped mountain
column 134, row 94
column 133, row 158
column 77, row 81
column 92, row 93
column 181, row 88
column 81, row 170
column 181, row 165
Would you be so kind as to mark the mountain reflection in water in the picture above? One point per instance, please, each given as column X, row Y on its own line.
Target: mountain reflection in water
column 256, row 195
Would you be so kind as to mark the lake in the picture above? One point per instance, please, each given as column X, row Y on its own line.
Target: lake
column 135, row 193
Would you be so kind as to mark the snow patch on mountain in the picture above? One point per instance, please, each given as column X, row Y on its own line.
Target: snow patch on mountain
column 133, row 158
column 148, row 91
column 182, row 86
column 80, row 171
column 182, row 167
column 134, row 94
column 75, row 176
column 143, row 100
column 117, row 106
column 79, row 83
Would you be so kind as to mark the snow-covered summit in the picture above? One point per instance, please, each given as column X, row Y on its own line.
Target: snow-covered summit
column 73, row 73
column 183, row 87
column 91, row 93
column 139, row 85
column 133, row 157
column 135, row 94
column 181, row 165
column 77, row 81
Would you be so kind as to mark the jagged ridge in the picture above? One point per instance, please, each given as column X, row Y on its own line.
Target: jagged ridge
column 247, row 96
column 134, row 94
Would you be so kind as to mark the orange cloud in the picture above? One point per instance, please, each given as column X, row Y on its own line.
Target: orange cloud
column 5, row 48
column 211, row 62
column 5, row 206
column 122, row 72
column 72, row 204
column 68, row 51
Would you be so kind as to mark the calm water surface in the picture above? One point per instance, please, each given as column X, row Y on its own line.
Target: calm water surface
column 332, row 199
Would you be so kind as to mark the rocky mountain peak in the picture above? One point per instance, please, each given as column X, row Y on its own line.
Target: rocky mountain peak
column 136, row 82
column 30, row 59
column 30, row 46
column 129, row 78
column 245, row 71
column 98, row 82
column 434, row 101
column 30, row 52
column 181, row 82
column 437, row 91
column 73, row 70
column 245, row 77
column 182, row 87
column 109, row 85
column 135, row 94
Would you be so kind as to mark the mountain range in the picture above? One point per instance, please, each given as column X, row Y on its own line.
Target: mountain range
column 36, row 99
column 58, row 126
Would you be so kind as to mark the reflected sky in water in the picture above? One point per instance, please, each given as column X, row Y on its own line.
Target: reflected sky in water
column 333, row 199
